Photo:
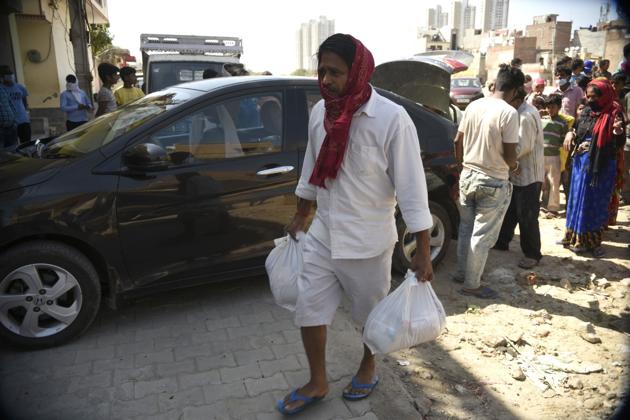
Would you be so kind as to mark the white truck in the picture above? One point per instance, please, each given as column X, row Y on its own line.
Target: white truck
column 168, row 60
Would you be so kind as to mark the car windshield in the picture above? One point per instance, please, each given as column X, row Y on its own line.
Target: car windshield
column 465, row 83
column 105, row 129
column 169, row 73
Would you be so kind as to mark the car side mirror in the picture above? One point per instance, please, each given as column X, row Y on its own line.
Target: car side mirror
column 146, row 157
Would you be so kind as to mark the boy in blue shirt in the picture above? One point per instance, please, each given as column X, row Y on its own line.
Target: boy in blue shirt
column 17, row 93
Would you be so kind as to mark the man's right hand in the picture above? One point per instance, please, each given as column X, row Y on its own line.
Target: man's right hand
column 298, row 224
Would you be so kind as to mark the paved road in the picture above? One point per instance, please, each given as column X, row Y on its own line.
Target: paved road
column 222, row 351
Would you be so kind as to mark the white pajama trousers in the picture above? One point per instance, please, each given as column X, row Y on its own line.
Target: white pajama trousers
column 552, row 175
column 324, row 280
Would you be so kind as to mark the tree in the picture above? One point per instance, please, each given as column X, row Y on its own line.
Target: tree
column 100, row 39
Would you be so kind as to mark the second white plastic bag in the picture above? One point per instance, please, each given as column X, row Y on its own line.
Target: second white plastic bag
column 284, row 265
column 412, row 314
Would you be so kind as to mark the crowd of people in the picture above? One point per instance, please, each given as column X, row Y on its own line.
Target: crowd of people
column 520, row 147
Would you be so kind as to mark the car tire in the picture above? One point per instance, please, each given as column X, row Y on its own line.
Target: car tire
column 440, row 237
column 66, row 303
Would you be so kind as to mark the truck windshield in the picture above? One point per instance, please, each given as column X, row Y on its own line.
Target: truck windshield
column 105, row 129
column 164, row 74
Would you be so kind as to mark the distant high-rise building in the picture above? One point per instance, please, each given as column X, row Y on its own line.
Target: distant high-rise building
column 309, row 38
column 492, row 14
column 431, row 18
column 500, row 14
column 456, row 21
column 469, row 15
column 436, row 18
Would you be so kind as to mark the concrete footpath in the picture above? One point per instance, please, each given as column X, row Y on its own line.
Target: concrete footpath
column 222, row 351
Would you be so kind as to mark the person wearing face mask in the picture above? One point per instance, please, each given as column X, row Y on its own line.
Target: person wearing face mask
column 17, row 93
column 571, row 94
column 595, row 140
column 75, row 103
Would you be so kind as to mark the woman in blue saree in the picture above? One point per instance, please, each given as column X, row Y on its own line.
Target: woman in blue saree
column 594, row 141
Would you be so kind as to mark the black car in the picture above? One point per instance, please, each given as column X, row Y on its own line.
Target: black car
column 185, row 186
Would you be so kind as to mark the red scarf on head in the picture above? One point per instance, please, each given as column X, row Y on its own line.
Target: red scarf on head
column 603, row 129
column 339, row 112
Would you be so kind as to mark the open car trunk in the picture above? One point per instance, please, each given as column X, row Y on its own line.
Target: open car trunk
column 423, row 78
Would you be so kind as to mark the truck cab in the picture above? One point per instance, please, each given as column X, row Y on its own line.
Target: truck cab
column 169, row 60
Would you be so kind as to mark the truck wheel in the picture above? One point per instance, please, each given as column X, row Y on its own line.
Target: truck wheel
column 440, row 238
column 49, row 294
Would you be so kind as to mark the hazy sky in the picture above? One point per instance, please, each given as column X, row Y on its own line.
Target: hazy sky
column 268, row 27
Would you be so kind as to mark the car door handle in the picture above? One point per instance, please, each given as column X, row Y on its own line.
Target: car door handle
column 278, row 170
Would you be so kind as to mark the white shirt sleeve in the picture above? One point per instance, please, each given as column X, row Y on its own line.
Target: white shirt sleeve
column 305, row 189
column 527, row 135
column 407, row 174
column 509, row 132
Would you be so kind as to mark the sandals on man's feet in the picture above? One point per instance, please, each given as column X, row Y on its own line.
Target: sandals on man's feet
column 294, row 397
column 354, row 385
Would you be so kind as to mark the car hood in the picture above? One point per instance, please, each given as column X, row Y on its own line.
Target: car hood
column 18, row 171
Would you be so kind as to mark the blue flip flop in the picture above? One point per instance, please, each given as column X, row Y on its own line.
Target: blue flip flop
column 281, row 406
column 484, row 293
column 355, row 385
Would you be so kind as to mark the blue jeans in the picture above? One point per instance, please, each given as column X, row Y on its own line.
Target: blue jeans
column 484, row 201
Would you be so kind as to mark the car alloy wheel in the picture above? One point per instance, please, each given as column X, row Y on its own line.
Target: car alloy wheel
column 39, row 300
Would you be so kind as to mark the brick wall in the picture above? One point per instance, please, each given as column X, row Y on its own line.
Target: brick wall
column 543, row 32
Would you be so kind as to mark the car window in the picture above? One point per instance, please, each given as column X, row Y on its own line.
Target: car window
column 243, row 126
column 465, row 83
column 107, row 128
column 312, row 97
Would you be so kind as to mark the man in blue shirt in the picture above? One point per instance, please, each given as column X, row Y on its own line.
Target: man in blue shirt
column 75, row 103
column 8, row 131
column 17, row 94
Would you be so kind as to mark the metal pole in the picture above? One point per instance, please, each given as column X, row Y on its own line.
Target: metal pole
column 79, row 39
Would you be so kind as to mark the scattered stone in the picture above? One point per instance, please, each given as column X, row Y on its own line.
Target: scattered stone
column 625, row 282
column 460, row 389
column 619, row 294
column 403, row 362
column 583, row 368
column 591, row 338
column 611, row 395
column 566, row 284
column 589, row 334
column 423, row 405
column 518, row 374
column 574, row 383
column 494, row 341
column 515, row 336
column 592, row 403
column 426, row 375
column 501, row 276
column 543, row 333
column 512, row 352
column 603, row 283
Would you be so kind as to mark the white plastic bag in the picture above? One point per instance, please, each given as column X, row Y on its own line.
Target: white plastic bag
column 410, row 315
column 284, row 265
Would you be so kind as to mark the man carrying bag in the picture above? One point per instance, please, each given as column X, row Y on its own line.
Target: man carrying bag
column 363, row 156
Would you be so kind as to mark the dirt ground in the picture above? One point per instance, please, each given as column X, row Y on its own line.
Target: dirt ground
column 558, row 348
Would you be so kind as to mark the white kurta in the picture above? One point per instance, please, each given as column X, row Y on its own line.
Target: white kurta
column 381, row 166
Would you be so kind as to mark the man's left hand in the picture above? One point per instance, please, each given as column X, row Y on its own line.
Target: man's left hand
column 421, row 261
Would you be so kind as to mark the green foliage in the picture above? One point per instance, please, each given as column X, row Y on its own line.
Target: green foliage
column 100, row 39
column 302, row 72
